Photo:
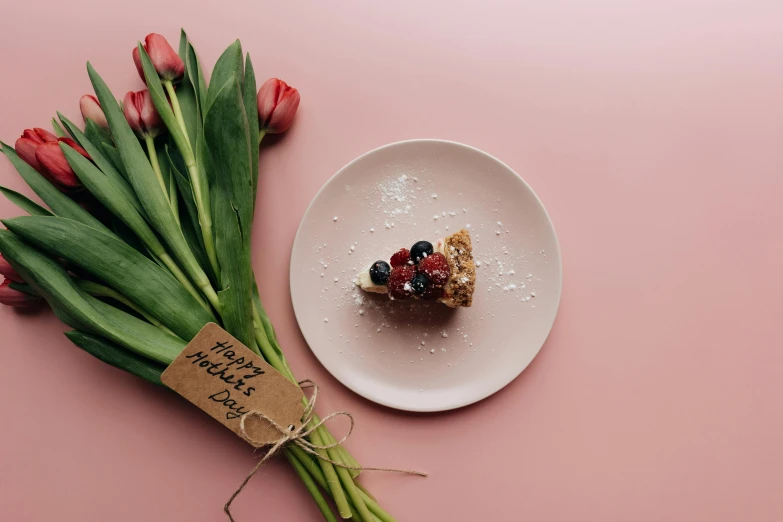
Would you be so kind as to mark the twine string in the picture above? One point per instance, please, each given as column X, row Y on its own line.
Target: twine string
column 298, row 436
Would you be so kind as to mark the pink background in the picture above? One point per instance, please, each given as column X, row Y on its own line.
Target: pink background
column 653, row 132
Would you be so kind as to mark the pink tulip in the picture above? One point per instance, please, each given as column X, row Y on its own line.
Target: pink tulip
column 12, row 297
column 166, row 61
column 91, row 108
column 29, row 142
column 141, row 114
column 277, row 104
column 7, row 271
column 55, row 167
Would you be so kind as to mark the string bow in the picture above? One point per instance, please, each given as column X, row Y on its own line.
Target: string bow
column 293, row 435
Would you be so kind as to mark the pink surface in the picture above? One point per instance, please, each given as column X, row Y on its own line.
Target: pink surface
column 652, row 132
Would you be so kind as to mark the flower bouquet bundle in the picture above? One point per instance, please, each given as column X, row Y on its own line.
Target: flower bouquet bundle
column 146, row 238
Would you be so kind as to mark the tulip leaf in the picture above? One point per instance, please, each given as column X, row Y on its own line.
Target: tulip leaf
column 81, row 311
column 193, row 70
column 60, row 204
column 251, row 109
column 24, row 287
column 187, row 93
column 191, row 228
column 229, row 64
column 226, row 133
column 117, row 356
column 143, row 180
column 119, row 266
column 122, row 231
column 58, row 130
column 106, row 166
column 113, row 199
column 25, row 203
column 113, row 155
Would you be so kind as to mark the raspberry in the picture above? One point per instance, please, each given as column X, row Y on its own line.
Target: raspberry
column 432, row 292
column 437, row 268
column 401, row 257
column 400, row 282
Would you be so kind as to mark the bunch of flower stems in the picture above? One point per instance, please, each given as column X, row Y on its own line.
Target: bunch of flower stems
column 150, row 240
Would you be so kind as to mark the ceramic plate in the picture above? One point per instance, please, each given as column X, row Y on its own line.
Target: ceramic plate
column 415, row 355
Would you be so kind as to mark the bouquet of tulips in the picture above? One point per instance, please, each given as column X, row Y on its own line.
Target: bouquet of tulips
column 147, row 233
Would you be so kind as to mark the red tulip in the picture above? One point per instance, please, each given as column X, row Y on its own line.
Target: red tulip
column 166, row 61
column 91, row 108
column 12, row 297
column 29, row 142
column 141, row 114
column 55, row 167
column 7, row 271
column 277, row 104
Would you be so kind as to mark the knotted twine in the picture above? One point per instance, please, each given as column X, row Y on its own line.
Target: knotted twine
column 298, row 436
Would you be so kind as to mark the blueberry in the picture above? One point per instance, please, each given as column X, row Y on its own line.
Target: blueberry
column 421, row 250
column 419, row 283
column 379, row 272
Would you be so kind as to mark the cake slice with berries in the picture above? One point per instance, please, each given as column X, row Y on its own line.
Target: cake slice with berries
column 443, row 272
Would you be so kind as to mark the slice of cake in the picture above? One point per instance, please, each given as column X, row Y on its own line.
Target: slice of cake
column 443, row 272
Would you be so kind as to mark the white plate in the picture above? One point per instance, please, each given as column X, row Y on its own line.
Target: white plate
column 412, row 355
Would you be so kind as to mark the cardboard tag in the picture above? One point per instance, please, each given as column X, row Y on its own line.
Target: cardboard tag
column 226, row 379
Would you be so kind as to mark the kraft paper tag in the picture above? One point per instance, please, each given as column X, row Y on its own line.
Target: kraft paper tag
column 226, row 379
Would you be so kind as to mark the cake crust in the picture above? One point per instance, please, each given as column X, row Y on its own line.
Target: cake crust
column 459, row 254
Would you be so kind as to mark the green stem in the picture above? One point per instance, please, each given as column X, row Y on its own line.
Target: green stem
column 181, row 277
column 208, row 291
column 308, row 461
column 201, row 196
column 311, row 486
column 261, row 134
column 177, row 110
column 98, row 290
column 150, row 142
column 263, row 326
column 173, row 198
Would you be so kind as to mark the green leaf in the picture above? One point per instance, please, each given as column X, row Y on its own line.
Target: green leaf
column 122, row 231
column 193, row 71
column 143, row 180
column 119, row 266
column 229, row 64
column 187, row 94
column 23, row 287
column 113, row 155
column 96, row 134
column 103, row 163
column 81, row 311
column 251, row 109
column 60, row 204
column 117, row 356
column 191, row 228
column 57, row 129
column 25, row 203
column 226, row 133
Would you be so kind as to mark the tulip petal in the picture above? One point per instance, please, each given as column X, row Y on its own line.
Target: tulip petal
column 55, row 167
column 137, row 61
column 25, row 148
column 166, row 61
column 90, row 108
column 12, row 297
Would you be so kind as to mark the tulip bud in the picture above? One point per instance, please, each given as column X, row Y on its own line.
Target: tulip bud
column 12, row 297
column 277, row 104
column 29, row 142
column 7, row 271
column 91, row 108
column 55, row 167
column 141, row 114
column 166, row 61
